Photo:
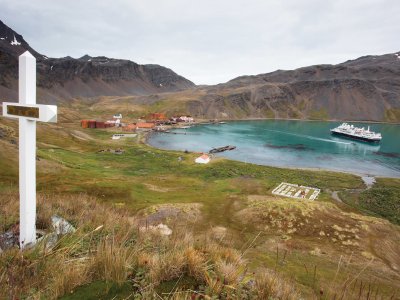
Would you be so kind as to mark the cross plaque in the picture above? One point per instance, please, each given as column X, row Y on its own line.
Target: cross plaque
column 28, row 112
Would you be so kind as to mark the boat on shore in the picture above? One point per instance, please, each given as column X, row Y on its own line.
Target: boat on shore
column 357, row 133
column 222, row 149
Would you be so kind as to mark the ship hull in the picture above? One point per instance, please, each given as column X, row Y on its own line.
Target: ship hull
column 353, row 137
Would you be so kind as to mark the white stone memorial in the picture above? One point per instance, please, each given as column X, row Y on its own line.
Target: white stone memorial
column 28, row 112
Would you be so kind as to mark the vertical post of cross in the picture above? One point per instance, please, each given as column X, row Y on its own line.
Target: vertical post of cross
column 27, row 152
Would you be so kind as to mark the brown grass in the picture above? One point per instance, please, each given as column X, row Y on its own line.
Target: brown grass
column 112, row 261
column 107, row 247
column 269, row 285
column 69, row 276
column 54, row 272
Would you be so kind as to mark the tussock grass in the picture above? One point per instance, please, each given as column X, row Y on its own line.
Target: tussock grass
column 270, row 285
column 112, row 261
column 69, row 276
column 57, row 271
column 107, row 248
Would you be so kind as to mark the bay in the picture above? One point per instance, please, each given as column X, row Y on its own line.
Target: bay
column 293, row 144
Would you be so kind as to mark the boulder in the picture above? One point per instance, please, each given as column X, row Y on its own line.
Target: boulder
column 61, row 226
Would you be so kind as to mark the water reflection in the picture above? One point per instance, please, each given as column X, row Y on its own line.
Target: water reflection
column 357, row 148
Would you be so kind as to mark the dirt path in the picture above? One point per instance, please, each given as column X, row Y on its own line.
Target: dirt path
column 369, row 181
column 335, row 196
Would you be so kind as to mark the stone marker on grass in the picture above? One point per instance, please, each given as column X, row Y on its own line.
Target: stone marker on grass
column 28, row 113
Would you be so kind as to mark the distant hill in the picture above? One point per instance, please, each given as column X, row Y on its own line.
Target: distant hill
column 367, row 88
column 63, row 78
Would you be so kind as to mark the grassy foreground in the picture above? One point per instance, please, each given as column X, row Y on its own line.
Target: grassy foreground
column 231, row 238
column 120, row 261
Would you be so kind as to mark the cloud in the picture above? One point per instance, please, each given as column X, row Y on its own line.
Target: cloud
column 209, row 41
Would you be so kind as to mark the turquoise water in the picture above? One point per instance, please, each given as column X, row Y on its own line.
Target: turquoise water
column 297, row 144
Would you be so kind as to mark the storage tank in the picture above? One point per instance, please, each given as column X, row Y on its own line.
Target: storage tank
column 84, row 123
column 100, row 124
column 92, row 124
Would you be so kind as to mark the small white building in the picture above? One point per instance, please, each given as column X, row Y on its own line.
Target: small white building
column 204, row 159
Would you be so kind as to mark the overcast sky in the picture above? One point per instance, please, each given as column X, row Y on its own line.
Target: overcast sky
column 209, row 41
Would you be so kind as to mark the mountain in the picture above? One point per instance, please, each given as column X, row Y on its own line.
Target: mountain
column 367, row 88
column 64, row 78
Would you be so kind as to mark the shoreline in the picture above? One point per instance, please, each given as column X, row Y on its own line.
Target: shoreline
column 293, row 119
column 146, row 136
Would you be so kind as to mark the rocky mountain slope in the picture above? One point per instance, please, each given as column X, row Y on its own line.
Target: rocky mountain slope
column 64, row 78
column 367, row 88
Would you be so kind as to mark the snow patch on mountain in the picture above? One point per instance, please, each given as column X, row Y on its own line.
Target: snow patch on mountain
column 15, row 42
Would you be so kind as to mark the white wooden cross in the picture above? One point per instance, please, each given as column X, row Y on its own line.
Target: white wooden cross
column 28, row 112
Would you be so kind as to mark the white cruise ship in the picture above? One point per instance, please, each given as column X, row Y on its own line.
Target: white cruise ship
column 357, row 133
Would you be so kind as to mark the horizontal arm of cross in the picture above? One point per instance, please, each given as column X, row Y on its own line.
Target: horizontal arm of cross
column 33, row 112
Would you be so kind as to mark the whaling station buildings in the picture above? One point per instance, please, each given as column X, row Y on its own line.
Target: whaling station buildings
column 152, row 121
